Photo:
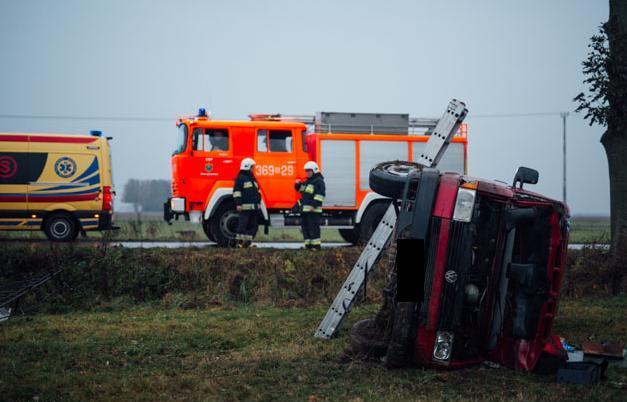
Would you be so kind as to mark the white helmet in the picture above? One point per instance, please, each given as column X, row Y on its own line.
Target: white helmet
column 247, row 164
column 313, row 166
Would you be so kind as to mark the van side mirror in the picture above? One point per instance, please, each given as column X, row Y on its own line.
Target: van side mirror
column 525, row 175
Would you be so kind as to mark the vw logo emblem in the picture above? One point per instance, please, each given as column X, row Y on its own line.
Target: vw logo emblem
column 450, row 276
column 65, row 167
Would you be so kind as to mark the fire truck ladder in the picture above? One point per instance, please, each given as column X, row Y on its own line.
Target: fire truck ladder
column 436, row 146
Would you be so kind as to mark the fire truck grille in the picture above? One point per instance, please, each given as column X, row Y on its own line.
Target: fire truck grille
column 458, row 262
column 432, row 248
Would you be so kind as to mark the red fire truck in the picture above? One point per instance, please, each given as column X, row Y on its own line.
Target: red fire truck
column 346, row 146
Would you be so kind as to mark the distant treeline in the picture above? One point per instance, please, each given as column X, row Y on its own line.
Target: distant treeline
column 146, row 195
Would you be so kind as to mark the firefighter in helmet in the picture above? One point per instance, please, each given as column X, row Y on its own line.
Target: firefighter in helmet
column 247, row 200
column 312, row 195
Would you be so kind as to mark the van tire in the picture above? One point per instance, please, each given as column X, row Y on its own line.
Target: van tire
column 61, row 226
column 370, row 220
column 388, row 178
column 350, row 235
column 224, row 223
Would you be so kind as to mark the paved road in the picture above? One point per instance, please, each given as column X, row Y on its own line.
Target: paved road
column 175, row 244
column 279, row 245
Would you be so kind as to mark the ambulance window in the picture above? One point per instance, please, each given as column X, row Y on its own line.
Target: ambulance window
column 280, row 141
column 262, row 140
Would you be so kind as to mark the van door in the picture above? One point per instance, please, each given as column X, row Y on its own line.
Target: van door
column 68, row 179
column 276, row 166
column 14, row 178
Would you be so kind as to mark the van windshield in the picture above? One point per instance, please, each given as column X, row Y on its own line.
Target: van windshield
column 181, row 139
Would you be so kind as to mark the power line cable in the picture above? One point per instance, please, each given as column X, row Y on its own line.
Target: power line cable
column 93, row 118
column 169, row 119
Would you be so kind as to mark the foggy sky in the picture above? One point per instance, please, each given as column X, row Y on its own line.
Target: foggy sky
column 165, row 59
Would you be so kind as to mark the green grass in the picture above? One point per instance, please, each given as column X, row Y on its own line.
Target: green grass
column 589, row 230
column 255, row 353
column 152, row 228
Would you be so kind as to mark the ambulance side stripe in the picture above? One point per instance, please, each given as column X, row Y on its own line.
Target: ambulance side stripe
column 38, row 138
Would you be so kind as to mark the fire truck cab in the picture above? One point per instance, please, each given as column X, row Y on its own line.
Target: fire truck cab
column 345, row 146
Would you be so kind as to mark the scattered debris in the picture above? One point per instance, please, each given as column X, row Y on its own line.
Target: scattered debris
column 602, row 349
column 587, row 372
column 5, row 313
column 566, row 346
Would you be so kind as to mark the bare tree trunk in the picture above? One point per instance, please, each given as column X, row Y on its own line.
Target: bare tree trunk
column 614, row 140
column 616, row 149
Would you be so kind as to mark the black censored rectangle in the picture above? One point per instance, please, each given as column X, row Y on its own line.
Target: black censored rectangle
column 410, row 270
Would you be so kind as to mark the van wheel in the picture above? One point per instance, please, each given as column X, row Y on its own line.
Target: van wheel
column 388, row 178
column 61, row 226
column 350, row 235
column 371, row 219
column 223, row 225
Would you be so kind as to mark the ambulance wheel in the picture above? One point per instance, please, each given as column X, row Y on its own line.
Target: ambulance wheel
column 206, row 227
column 350, row 235
column 61, row 226
column 388, row 178
column 369, row 222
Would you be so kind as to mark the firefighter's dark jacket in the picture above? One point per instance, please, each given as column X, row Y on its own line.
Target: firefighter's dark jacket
column 246, row 191
column 313, row 191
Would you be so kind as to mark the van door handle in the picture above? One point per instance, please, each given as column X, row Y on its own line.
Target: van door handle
column 291, row 162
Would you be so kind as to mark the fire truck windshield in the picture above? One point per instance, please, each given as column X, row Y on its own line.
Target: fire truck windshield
column 181, row 140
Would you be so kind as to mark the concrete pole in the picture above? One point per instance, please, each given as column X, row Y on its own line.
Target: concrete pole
column 564, row 115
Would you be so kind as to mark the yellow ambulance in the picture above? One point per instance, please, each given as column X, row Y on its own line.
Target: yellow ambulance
column 58, row 183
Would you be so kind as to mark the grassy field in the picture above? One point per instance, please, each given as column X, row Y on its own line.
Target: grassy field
column 248, row 353
column 152, row 228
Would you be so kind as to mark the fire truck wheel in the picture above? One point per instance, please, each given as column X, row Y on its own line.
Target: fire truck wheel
column 350, row 235
column 370, row 220
column 61, row 226
column 400, row 348
column 388, row 178
column 223, row 225
column 206, row 227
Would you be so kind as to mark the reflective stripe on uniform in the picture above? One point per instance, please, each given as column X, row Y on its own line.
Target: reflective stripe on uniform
column 243, row 237
column 315, row 242
column 309, row 189
column 248, row 184
column 308, row 208
column 307, row 242
column 237, row 194
column 248, row 207
column 319, row 197
column 318, row 209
